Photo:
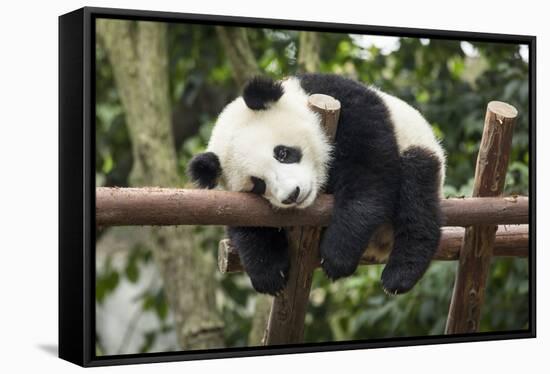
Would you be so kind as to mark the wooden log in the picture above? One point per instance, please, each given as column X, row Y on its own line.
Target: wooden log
column 477, row 248
column 328, row 109
column 510, row 241
column 169, row 206
column 288, row 311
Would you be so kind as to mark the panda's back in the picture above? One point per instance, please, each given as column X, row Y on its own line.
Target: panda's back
column 409, row 127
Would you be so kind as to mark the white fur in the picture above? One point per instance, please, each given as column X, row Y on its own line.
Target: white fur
column 411, row 129
column 244, row 141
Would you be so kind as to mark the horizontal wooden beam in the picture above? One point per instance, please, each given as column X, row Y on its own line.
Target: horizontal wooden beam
column 511, row 241
column 166, row 206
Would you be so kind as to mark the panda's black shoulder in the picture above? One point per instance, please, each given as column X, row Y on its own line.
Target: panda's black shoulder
column 361, row 105
column 365, row 129
column 334, row 85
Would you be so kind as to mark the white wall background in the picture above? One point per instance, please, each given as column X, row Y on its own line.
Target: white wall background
column 28, row 183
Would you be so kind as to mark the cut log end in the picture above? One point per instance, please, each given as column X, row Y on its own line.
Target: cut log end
column 502, row 109
column 228, row 257
column 324, row 102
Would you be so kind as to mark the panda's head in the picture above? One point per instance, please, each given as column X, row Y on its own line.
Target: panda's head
column 268, row 142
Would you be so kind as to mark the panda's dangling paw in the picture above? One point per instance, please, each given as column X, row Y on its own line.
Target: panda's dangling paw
column 337, row 269
column 399, row 277
column 264, row 255
column 335, row 260
column 272, row 280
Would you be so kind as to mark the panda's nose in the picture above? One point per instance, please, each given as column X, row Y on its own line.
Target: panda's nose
column 291, row 199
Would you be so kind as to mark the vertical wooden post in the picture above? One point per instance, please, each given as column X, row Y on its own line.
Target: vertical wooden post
column 288, row 311
column 477, row 246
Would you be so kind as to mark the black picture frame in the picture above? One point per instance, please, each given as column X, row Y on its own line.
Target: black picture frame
column 77, row 185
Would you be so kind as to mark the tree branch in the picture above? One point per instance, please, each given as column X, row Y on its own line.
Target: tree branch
column 511, row 241
column 170, row 206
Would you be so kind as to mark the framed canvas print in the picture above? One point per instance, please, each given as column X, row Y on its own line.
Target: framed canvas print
column 235, row 186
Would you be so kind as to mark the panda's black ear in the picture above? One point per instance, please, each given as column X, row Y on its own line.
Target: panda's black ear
column 260, row 92
column 204, row 170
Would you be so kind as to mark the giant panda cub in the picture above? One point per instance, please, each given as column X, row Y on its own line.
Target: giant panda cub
column 384, row 166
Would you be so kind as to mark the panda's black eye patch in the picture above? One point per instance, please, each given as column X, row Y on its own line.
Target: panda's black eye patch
column 258, row 186
column 287, row 155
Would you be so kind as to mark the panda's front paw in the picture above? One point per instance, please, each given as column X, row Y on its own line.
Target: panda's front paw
column 336, row 261
column 264, row 255
column 272, row 281
column 268, row 269
column 399, row 277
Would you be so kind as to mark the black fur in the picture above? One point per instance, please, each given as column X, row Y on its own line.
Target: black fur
column 364, row 175
column 258, row 185
column 417, row 222
column 261, row 92
column 264, row 254
column 204, row 169
column 287, row 155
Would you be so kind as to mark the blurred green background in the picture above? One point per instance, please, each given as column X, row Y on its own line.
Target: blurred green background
column 450, row 82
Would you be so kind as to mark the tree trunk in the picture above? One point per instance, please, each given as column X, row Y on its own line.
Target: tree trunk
column 138, row 55
column 309, row 55
column 237, row 49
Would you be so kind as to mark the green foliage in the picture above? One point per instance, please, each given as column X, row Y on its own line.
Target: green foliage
column 151, row 299
column 106, row 280
column 356, row 308
column 450, row 82
column 507, row 307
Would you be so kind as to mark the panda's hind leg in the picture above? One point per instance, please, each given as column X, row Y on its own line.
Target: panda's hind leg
column 417, row 221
